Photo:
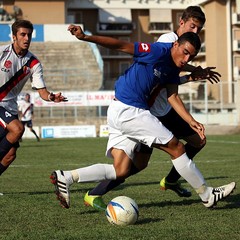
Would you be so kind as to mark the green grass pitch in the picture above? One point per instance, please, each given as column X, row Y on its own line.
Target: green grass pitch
column 29, row 209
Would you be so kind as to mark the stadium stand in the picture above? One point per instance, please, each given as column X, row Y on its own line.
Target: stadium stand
column 67, row 66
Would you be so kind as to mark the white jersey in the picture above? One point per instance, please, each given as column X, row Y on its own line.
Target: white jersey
column 14, row 73
column 161, row 105
column 26, row 109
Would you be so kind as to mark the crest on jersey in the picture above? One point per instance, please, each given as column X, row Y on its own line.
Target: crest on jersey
column 144, row 47
column 8, row 64
column 26, row 70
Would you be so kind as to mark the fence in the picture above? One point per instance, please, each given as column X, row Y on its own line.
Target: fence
column 208, row 103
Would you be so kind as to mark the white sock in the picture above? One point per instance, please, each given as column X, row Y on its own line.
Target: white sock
column 204, row 192
column 188, row 170
column 69, row 177
column 93, row 173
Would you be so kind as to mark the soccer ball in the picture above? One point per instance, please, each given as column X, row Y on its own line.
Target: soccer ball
column 122, row 211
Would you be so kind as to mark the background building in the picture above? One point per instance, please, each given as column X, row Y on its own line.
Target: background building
column 145, row 21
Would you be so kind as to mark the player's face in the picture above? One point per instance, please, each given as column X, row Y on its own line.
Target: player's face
column 27, row 97
column 182, row 53
column 191, row 25
column 22, row 40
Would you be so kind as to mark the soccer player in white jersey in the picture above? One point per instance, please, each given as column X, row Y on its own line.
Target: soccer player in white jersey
column 18, row 65
column 192, row 20
column 131, row 123
column 26, row 111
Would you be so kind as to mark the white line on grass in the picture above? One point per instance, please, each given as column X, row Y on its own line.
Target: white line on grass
column 34, row 165
column 228, row 142
column 204, row 160
column 79, row 165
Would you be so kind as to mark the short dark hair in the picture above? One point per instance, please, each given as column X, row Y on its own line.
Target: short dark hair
column 192, row 38
column 21, row 24
column 194, row 12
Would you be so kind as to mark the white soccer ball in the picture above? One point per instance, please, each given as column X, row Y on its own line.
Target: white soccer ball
column 122, row 211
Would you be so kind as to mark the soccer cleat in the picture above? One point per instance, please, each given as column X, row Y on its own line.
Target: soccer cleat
column 219, row 193
column 176, row 187
column 61, row 188
column 94, row 201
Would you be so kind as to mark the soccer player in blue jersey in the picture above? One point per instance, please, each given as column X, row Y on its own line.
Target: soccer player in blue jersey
column 131, row 123
column 192, row 20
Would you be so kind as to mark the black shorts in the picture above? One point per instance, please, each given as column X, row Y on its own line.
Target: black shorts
column 173, row 122
column 6, row 117
column 145, row 149
column 28, row 123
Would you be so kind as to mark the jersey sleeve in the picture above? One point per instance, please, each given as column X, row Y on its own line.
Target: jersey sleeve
column 150, row 52
column 168, row 37
column 37, row 80
column 20, row 106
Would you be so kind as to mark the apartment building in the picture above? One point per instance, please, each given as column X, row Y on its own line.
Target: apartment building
column 146, row 20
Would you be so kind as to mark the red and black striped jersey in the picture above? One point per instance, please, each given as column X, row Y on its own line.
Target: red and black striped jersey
column 15, row 71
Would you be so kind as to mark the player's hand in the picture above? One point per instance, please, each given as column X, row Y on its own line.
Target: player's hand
column 58, row 97
column 198, row 127
column 200, row 73
column 76, row 31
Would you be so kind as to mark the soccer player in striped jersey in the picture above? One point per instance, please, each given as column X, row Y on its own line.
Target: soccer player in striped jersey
column 26, row 113
column 18, row 65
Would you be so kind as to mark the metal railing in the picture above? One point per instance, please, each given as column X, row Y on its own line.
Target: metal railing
column 207, row 102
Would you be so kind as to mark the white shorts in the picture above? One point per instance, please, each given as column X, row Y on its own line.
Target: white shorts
column 129, row 126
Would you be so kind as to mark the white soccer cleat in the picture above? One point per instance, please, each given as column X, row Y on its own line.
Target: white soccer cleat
column 219, row 193
column 61, row 188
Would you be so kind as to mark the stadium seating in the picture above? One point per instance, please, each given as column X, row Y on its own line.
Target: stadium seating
column 68, row 66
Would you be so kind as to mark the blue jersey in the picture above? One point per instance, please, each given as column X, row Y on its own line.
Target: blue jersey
column 153, row 65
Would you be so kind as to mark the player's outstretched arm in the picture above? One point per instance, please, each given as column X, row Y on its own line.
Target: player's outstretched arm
column 201, row 74
column 49, row 96
column 106, row 42
column 206, row 73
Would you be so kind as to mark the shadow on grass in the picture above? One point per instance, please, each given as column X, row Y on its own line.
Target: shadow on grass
column 90, row 211
column 84, row 190
column 164, row 203
column 231, row 202
column 148, row 220
column 122, row 186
